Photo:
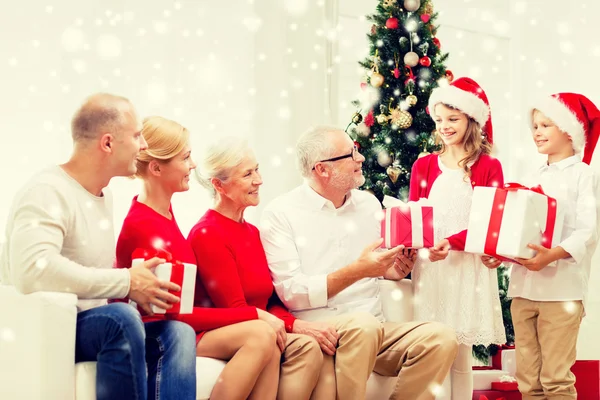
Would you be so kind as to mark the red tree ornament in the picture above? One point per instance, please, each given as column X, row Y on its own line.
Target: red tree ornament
column 396, row 73
column 425, row 18
column 425, row 61
column 357, row 145
column 369, row 119
column 449, row 75
column 392, row 23
column 436, row 41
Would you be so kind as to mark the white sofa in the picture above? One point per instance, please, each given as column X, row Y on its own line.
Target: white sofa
column 37, row 347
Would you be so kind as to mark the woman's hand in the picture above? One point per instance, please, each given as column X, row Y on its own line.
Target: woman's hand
column 277, row 325
column 325, row 334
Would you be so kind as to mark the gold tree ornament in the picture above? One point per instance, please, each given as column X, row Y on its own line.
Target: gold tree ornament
column 402, row 119
column 428, row 9
column 377, row 79
column 389, row 3
column 411, row 99
column 394, row 172
column 382, row 119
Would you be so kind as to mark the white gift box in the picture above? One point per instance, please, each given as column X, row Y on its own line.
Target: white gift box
column 503, row 221
column 184, row 275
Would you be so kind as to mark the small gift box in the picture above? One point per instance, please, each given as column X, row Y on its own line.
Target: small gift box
column 409, row 224
column 182, row 274
column 503, row 221
column 507, row 383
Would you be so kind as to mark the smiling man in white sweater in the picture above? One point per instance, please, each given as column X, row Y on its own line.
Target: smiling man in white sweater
column 59, row 237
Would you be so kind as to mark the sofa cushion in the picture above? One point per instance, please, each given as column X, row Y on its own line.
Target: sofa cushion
column 207, row 373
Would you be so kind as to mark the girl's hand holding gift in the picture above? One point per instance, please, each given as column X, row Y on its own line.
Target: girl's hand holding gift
column 490, row 262
column 439, row 251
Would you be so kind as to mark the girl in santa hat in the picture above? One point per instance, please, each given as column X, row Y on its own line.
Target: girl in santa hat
column 454, row 287
column 548, row 301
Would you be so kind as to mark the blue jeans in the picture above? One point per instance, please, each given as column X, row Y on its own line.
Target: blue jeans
column 115, row 336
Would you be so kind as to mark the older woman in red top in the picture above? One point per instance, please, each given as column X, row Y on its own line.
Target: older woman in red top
column 233, row 266
column 235, row 334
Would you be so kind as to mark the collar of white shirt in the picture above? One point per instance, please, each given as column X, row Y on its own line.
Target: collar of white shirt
column 562, row 164
column 318, row 202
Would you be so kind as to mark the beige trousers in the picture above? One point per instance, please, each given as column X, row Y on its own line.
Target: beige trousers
column 418, row 353
column 301, row 365
column 545, row 340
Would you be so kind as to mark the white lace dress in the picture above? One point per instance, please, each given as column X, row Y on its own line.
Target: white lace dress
column 458, row 291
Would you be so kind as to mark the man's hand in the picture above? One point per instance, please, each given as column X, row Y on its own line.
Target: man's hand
column 277, row 325
column 325, row 334
column 374, row 263
column 402, row 266
column 490, row 262
column 439, row 251
column 543, row 257
column 146, row 289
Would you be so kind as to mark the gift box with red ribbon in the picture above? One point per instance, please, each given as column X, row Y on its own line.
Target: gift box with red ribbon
column 409, row 224
column 505, row 359
column 182, row 274
column 503, row 221
column 587, row 379
column 496, row 395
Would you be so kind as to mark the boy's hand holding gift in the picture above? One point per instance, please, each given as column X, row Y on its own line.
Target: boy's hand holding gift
column 543, row 258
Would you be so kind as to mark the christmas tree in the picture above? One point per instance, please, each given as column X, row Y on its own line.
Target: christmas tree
column 392, row 127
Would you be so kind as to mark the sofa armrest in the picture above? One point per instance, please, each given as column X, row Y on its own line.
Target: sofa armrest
column 397, row 300
column 37, row 344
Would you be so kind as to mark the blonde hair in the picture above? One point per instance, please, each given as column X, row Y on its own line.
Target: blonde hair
column 474, row 143
column 220, row 158
column 99, row 113
column 165, row 140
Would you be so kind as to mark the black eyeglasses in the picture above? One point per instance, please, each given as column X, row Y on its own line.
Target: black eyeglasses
column 354, row 154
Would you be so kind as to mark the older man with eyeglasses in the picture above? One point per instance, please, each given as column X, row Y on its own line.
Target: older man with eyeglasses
column 322, row 243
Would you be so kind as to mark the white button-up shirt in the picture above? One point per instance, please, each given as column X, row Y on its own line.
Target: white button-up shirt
column 305, row 238
column 575, row 187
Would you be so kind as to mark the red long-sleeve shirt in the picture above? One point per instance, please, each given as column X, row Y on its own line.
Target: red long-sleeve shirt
column 233, row 265
column 146, row 229
column 486, row 171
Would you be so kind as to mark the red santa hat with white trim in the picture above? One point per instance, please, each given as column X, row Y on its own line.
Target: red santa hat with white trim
column 465, row 95
column 575, row 115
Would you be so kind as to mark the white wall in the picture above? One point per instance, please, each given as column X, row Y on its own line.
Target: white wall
column 252, row 70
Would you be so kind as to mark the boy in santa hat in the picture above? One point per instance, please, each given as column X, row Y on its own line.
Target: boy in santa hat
column 548, row 301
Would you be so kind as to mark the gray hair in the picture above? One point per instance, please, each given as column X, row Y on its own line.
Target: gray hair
column 312, row 146
column 99, row 113
column 219, row 159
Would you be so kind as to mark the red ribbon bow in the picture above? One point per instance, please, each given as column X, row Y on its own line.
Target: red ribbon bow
column 512, row 186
